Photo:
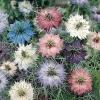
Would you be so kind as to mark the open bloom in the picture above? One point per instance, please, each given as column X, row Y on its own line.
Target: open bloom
column 5, row 51
column 74, row 52
column 80, row 81
column 96, row 14
column 94, row 41
column 3, row 21
column 3, row 81
column 9, row 67
column 21, row 91
column 50, row 45
column 25, row 7
column 25, row 56
column 77, row 26
column 48, row 18
column 20, row 32
column 51, row 74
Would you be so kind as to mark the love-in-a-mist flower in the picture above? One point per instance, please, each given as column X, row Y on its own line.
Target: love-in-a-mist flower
column 21, row 91
column 80, row 81
column 94, row 40
column 3, row 81
column 25, row 7
column 48, row 18
column 79, row 2
column 51, row 74
column 9, row 68
column 77, row 26
column 5, row 51
column 95, row 14
column 25, row 56
column 20, row 32
column 3, row 21
column 50, row 45
column 74, row 52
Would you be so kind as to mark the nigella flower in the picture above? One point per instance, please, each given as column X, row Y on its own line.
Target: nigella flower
column 79, row 2
column 96, row 14
column 25, row 7
column 80, row 81
column 5, row 51
column 3, row 81
column 94, row 40
column 51, row 74
column 3, row 21
column 21, row 91
column 20, row 32
column 9, row 68
column 25, row 56
column 50, row 45
column 74, row 52
column 77, row 26
column 48, row 18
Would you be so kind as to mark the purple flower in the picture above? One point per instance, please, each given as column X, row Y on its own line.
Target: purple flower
column 95, row 14
column 79, row 2
column 5, row 51
column 74, row 52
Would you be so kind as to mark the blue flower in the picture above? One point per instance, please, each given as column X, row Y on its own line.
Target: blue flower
column 20, row 32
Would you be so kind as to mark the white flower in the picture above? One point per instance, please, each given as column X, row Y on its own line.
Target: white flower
column 3, row 81
column 9, row 68
column 25, row 56
column 25, row 7
column 77, row 26
column 3, row 21
column 51, row 74
column 21, row 91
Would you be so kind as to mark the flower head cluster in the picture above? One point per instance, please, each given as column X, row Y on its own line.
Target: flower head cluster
column 77, row 26
column 51, row 74
column 21, row 91
column 25, row 7
column 3, row 21
column 9, row 68
column 94, row 41
column 80, row 81
column 48, row 18
column 20, row 32
column 25, row 56
column 50, row 45
column 74, row 52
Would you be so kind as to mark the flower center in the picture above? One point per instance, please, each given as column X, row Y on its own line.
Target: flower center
column 80, row 80
column 98, row 12
column 24, row 54
column 51, row 72
column 49, row 17
column 21, row 93
column 19, row 30
column 50, row 44
column 97, row 39
column 0, row 51
column 7, row 67
column 79, row 25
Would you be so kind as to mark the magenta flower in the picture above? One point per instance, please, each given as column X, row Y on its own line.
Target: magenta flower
column 48, row 18
column 50, row 45
column 80, row 81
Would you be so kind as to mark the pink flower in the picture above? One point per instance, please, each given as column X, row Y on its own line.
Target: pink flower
column 50, row 45
column 48, row 18
column 80, row 81
column 94, row 40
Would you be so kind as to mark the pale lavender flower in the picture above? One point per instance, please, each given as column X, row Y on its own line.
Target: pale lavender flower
column 79, row 2
column 51, row 74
